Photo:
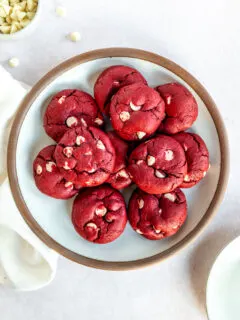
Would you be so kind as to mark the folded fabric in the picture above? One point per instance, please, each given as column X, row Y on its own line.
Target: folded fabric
column 25, row 262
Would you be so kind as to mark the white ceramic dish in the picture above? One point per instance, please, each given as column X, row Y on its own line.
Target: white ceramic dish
column 223, row 288
column 50, row 218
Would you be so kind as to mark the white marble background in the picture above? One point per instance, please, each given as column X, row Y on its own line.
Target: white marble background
column 203, row 37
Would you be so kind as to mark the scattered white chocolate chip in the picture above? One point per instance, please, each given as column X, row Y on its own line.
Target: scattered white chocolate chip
column 71, row 121
column 50, row 165
column 135, row 108
column 101, row 211
column 140, row 203
column 66, row 166
column 156, row 230
column 67, row 151
column 91, row 225
column 139, row 162
column 88, row 153
column 91, row 170
column 61, row 100
column 159, row 174
column 186, row 178
column 204, row 173
column 98, row 121
column 141, row 134
column 79, row 140
column 75, row 36
column 13, row 62
column 139, row 231
column 84, row 123
column 170, row 196
column 124, row 116
column 168, row 99
column 175, row 226
column 39, row 169
column 151, row 160
column 116, row 83
column 100, row 145
column 160, row 211
column 68, row 184
column 168, row 155
column 61, row 11
column 123, row 174
column 185, row 147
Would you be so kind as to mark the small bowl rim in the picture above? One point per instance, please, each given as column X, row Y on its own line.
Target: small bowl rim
column 19, row 33
column 98, row 54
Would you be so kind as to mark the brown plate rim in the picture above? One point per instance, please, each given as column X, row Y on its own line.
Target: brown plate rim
column 106, row 53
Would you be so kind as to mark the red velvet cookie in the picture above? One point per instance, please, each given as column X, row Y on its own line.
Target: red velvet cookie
column 69, row 109
column 111, row 80
column 136, row 111
column 86, row 156
column 180, row 106
column 48, row 177
column 197, row 157
column 99, row 214
column 158, row 165
column 157, row 216
column 119, row 179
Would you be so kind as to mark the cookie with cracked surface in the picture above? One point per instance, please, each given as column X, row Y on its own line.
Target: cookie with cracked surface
column 197, row 156
column 180, row 107
column 48, row 178
column 111, row 80
column 157, row 216
column 70, row 108
column 136, row 111
column 99, row 214
column 158, row 165
column 85, row 156
column 120, row 178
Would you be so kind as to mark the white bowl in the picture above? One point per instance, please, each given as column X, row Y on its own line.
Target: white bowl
column 26, row 30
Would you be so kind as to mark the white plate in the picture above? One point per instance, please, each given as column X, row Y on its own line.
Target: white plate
column 223, row 288
column 53, row 216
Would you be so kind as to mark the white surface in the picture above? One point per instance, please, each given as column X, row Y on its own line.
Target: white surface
column 203, row 37
column 54, row 216
column 223, row 288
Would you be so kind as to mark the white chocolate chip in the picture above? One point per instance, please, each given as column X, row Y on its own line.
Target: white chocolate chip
column 61, row 11
column 141, row 134
column 83, row 122
column 100, row 145
column 140, row 203
column 80, row 140
column 168, row 155
column 204, row 173
column 151, row 160
column 186, row 178
column 39, row 169
column 68, row 151
column 156, row 230
column 170, row 196
column 68, row 184
column 185, row 147
column 135, row 108
column 101, row 211
column 62, row 99
column 160, row 211
column 91, row 225
column 139, row 231
column 66, row 166
column 13, row 62
column 168, row 99
column 123, row 174
column 71, row 121
column 139, row 162
column 98, row 121
column 75, row 36
column 88, row 153
column 116, row 83
column 159, row 174
column 50, row 165
column 124, row 116
column 91, row 170
column 175, row 226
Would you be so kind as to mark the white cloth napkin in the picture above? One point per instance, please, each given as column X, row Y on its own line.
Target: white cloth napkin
column 25, row 262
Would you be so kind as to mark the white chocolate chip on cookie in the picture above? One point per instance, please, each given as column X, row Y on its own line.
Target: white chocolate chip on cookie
column 135, row 108
column 68, row 184
column 159, row 174
column 98, row 121
column 124, row 116
column 39, row 169
column 71, row 122
column 50, row 165
column 80, row 140
column 101, row 211
column 141, row 134
column 61, row 100
column 140, row 203
column 100, row 145
column 151, row 160
column 169, row 155
column 170, row 196
column 67, row 151
column 123, row 174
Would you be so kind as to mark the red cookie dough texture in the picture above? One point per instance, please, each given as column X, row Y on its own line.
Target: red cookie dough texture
column 120, row 178
column 157, row 216
column 111, row 80
column 158, row 165
column 69, row 109
column 48, row 177
column 180, row 106
column 197, row 157
column 86, row 156
column 99, row 214
column 136, row 111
